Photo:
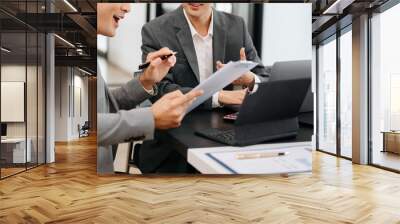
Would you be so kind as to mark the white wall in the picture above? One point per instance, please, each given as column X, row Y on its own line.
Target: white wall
column 12, row 100
column 124, row 49
column 286, row 32
column 33, row 126
column 66, row 121
column 14, row 73
column 61, row 103
column 81, row 83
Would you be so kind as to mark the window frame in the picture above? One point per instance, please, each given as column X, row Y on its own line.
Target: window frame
column 333, row 37
column 379, row 10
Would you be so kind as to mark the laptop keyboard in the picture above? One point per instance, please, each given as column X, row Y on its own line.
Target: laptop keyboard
column 222, row 136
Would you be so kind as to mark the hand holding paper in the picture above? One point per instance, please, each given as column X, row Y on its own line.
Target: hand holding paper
column 220, row 79
column 169, row 111
column 247, row 79
column 231, row 97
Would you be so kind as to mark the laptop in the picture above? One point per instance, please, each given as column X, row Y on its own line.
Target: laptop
column 271, row 112
column 284, row 70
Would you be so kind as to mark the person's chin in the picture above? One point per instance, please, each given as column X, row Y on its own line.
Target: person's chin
column 194, row 13
column 111, row 33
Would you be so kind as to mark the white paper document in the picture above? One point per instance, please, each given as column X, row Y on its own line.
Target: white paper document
column 221, row 78
column 298, row 159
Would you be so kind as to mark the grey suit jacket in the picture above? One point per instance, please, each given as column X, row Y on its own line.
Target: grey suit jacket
column 172, row 30
column 118, row 121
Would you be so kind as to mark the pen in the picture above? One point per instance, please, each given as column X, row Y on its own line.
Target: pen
column 145, row 65
column 260, row 155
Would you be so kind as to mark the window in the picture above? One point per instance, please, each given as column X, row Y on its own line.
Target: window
column 346, row 94
column 335, row 94
column 224, row 7
column 385, row 88
column 327, row 96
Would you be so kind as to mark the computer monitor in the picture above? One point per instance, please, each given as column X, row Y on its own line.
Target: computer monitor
column 3, row 129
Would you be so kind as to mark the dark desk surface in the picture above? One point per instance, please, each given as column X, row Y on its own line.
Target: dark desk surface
column 184, row 137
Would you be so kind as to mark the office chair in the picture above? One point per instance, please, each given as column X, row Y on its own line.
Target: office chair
column 84, row 130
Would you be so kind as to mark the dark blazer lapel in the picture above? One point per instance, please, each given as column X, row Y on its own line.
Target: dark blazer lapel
column 219, row 39
column 185, row 39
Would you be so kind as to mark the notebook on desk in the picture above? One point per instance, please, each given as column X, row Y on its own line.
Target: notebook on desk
column 296, row 160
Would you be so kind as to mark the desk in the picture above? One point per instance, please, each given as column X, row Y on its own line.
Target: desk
column 391, row 141
column 199, row 159
column 16, row 148
column 184, row 138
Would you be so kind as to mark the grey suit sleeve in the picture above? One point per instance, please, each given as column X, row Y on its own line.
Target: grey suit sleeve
column 125, row 126
column 130, row 94
column 252, row 55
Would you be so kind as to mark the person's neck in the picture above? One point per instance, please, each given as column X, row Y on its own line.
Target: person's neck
column 201, row 23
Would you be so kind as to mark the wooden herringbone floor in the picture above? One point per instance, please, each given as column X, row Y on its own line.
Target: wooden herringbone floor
column 69, row 191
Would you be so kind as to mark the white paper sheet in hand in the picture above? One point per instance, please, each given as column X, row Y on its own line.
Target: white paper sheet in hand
column 221, row 78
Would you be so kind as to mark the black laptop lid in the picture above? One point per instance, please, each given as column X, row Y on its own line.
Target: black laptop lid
column 273, row 100
column 285, row 70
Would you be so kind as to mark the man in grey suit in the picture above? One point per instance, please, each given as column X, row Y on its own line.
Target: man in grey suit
column 118, row 121
column 204, row 39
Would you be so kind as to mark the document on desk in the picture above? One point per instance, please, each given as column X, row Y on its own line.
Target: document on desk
column 220, row 79
column 295, row 160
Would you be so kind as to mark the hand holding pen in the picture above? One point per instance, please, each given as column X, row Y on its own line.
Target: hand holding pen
column 157, row 65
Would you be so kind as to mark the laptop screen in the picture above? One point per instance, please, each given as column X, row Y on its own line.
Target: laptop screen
column 287, row 70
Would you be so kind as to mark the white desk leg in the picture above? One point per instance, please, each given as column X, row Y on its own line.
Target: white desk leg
column 121, row 158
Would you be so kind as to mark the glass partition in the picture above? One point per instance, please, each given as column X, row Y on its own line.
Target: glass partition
column 15, row 149
column 22, row 88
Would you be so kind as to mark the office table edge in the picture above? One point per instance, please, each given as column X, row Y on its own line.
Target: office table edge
column 198, row 159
